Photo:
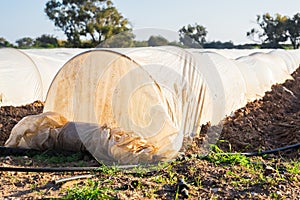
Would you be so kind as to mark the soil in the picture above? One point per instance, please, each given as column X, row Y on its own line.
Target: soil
column 268, row 123
column 272, row 122
column 10, row 116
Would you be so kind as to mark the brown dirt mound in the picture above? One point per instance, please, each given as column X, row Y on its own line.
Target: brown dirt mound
column 272, row 122
column 10, row 116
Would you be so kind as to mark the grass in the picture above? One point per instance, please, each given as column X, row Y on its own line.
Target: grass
column 219, row 157
column 110, row 170
column 91, row 191
column 294, row 168
column 241, row 174
column 218, row 174
column 76, row 157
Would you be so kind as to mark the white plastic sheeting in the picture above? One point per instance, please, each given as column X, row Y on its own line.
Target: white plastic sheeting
column 158, row 98
column 49, row 61
column 260, row 68
column 25, row 75
column 161, row 95
column 20, row 80
column 232, row 53
column 140, row 105
column 263, row 70
column 226, row 82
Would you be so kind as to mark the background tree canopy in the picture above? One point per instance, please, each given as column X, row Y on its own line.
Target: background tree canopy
column 94, row 20
column 4, row 43
column 121, row 40
column 276, row 30
column 97, row 23
column 157, row 41
column 193, row 36
column 25, row 42
column 293, row 30
column 47, row 41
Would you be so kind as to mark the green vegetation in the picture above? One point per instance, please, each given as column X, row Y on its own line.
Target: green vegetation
column 193, row 36
column 232, row 171
column 4, row 43
column 95, row 23
column 58, row 159
column 25, row 42
column 276, row 30
column 90, row 191
column 294, row 168
column 44, row 41
column 121, row 40
column 98, row 20
column 224, row 175
column 110, row 170
column 231, row 159
column 157, row 41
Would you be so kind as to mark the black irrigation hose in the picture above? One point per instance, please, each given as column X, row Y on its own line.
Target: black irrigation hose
column 49, row 169
column 80, row 169
column 6, row 151
column 260, row 153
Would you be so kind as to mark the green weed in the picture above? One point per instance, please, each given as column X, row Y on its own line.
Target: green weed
column 294, row 168
column 58, row 159
column 232, row 159
column 90, row 191
column 110, row 170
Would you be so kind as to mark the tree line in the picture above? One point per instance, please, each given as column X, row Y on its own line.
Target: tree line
column 44, row 41
column 92, row 23
column 276, row 30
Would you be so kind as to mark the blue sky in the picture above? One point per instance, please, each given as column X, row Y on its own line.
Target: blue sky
column 225, row 20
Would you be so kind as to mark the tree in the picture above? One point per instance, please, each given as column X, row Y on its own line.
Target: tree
column 293, row 30
column 4, row 43
column 157, row 41
column 47, row 41
column 274, row 30
column 140, row 43
column 25, row 42
column 192, row 36
column 121, row 40
column 219, row 45
column 95, row 19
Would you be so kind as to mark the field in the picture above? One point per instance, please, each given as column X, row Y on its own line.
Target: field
column 265, row 124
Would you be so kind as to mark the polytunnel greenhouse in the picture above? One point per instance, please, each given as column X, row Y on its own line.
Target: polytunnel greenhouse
column 20, row 80
column 144, row 105
column 26, row 74
column 49, row 62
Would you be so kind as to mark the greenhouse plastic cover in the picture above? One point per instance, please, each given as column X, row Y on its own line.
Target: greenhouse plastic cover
column 49, row 62
column 142, row 105
column 26, row 74
column 20, row 80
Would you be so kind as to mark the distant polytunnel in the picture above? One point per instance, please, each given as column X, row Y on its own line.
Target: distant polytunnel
column 20, row 80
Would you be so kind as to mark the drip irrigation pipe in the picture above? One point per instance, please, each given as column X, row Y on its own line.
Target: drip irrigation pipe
column 80, row 169
column 260, row 153
column 49, row 169
column 7, row 151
